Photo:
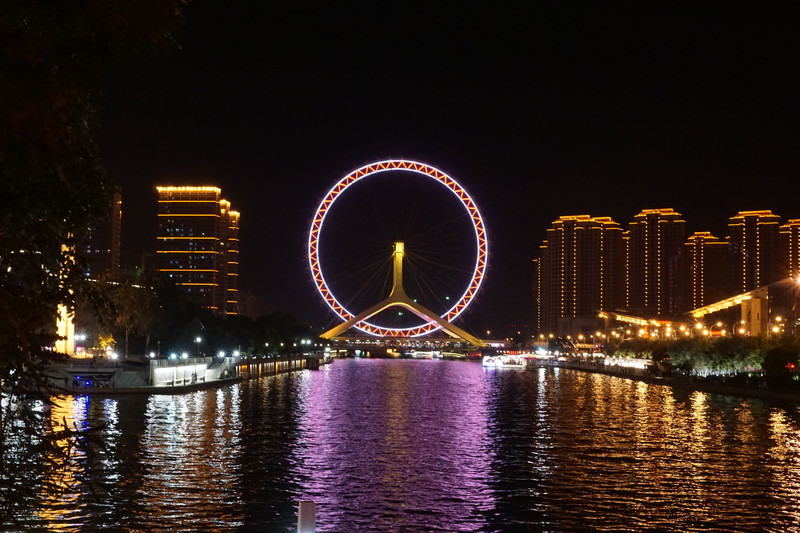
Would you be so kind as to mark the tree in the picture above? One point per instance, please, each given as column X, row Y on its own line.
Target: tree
column 52, row 182
column 781, row 363
column 136, row 309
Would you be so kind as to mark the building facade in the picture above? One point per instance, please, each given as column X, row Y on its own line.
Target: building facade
column 102, row 246
column 790, row 249
column 652, row 271
column 707, row 269
column 580, row 272
column 754, row 247
column 655, row 263
column 198, row 245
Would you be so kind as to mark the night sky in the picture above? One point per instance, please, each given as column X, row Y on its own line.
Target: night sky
column 537, row 111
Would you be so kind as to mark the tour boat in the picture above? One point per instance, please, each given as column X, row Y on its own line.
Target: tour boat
column 503, row 361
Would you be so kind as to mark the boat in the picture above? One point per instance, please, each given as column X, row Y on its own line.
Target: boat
column 503, row 361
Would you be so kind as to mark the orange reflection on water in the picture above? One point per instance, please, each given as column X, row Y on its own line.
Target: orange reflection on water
column 785, row 453
column 63, row 508
column 190, row 452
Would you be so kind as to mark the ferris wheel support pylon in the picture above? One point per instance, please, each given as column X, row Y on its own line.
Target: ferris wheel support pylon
column 398, row 298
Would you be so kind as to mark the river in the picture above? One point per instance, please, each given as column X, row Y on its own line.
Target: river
column 429, row 445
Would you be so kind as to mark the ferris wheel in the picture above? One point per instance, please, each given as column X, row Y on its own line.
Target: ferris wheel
column 471, row 258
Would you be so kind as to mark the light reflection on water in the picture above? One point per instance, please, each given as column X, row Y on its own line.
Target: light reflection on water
column 397, row 449
column 190, row 449
column 390, row 445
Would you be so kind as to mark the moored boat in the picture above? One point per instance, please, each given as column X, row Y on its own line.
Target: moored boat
column 503, row 361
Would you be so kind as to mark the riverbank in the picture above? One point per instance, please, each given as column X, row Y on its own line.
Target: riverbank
column 167, row 376
column 683, row 382
column 176, row 389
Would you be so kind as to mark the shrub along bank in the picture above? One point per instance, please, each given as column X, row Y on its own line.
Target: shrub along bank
column 773, row 358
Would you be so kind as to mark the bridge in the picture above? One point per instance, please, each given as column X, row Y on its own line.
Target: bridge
column 398, row 298
column 755, row 308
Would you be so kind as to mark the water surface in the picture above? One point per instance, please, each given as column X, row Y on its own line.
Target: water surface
column 408, row 445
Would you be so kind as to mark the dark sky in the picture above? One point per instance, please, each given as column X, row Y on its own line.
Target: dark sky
column 537, row 111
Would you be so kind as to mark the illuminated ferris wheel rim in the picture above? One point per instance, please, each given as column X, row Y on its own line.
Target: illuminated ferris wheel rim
column 479, row 267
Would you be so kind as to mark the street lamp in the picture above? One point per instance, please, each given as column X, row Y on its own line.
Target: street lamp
column 699, row 327
column 198, row 340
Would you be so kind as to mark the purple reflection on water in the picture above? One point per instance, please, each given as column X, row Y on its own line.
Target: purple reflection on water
column 406, row 439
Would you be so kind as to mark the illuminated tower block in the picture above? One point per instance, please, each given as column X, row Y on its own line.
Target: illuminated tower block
column 790, row 249
column 231, row 222
column 198, row 245
column 754, row 246
column 580, row 271
column 536, row 288
column 655, row 269
column 707, row 266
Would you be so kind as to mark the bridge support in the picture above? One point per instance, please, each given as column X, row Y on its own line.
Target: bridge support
column 399, row 298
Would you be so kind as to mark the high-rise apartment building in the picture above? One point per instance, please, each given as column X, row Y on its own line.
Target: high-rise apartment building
column 198, row 245
column 707, row 269
column 655, row 268
column 231, row 218
column 101, row 249
column 651, row 270
column 754, row 247
column 536, row 288
column 580, row 272
column 790, row 249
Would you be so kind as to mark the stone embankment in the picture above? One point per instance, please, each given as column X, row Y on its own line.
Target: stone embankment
column 167, row 376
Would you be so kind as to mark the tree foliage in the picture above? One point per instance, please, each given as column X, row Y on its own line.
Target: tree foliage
column 776, row 357
column 53, row 56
